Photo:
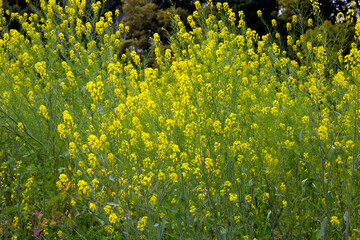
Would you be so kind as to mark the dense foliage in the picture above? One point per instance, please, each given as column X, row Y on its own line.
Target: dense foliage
column 145, row 17
column 232, row 135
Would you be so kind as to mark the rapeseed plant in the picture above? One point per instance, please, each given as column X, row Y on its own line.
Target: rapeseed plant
column 230, row 135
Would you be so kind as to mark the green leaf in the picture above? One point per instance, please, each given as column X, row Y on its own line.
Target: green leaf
column 311, row 133
column 218, row 234
column 31, row 168
column 11, row 161
column 113, row 204
column 322, row 229
column 100, row 220
column 178, row 223
column 9, row 209
column 268, row 215
column 346, row 216
column 111, row 178
column 161, row 232
column 58, row 198
column 223, row 232
column 139, row 207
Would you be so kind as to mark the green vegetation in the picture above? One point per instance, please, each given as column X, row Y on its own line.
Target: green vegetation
column 231, row 134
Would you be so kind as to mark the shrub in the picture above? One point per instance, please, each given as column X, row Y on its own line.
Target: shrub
column 226, row 138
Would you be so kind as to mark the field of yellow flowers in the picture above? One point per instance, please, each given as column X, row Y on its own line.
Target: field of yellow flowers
column 226, row 138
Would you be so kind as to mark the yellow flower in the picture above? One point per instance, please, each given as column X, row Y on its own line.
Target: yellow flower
column 217, row 127
column 72, row 149
column 334, row 220
column 340, row 17
column 40, row 68
column 192, row 209
column 113, row 218
column 259, row 13
column 109, row 229
column 201, row 196
column 95, row 182
column 94, row 142
column 233, row 197
column 273, row 23
column 92, row 207
column 266, row 196
column 156, row 38
column 288, row 26
column 197, row 5
column 305, row 119
column 107, row 209
column 153, row 200
column 323, row 132
column 310, row 22
column 43, row 111
column 227, row 184
column 83, row 187
column 20, row 127
column 248, row 198
column 89, row 171
column 63, row 182
column 135, row 58
column 142, row 223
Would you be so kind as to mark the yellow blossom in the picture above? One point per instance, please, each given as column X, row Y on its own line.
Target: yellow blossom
column 273, row 23
column 233, row 197
column 92, row 207
column 334, row 220
column 113, row 218
column 142, row 223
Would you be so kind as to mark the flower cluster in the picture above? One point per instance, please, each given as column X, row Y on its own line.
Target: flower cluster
column 229, row 133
